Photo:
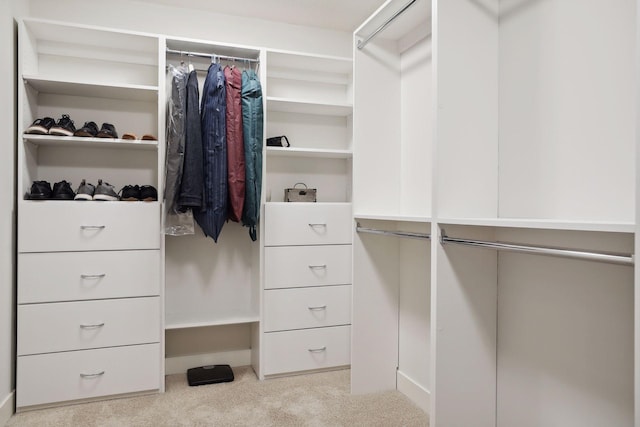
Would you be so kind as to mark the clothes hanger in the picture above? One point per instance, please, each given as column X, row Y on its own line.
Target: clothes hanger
column 190, row 67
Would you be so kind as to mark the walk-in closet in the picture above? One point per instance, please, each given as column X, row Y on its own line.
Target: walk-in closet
column 445, row 194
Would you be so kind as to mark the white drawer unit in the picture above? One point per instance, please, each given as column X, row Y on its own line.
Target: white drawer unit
column 295, row 266
column 46, row 328
column 57, row 377
column 58, row 226
column 289, row 224
column 307, row 349
column 287, row 309
column 69, row 276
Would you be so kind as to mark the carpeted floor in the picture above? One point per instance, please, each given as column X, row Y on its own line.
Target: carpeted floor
column 321, row 399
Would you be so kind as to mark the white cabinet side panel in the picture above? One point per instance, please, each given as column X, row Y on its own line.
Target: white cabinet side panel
column 374, row 344
column 567, row 110
column 464, row 381
column 376, row 129
column 417, row 129
column 414, row 340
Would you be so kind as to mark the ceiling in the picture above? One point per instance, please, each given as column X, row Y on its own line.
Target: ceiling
column 344, row 15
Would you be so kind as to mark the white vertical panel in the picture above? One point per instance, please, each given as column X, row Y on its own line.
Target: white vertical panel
column 374, row 326
column 416, row 127
column 567, row 109
column 464, row 378
column 414, row 336
column 466, row 67
column 376, row 128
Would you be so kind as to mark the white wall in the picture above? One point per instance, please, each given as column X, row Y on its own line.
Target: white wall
column 7, row 204
column 199, row 24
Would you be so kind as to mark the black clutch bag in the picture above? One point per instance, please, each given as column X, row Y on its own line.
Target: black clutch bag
column 278, row 141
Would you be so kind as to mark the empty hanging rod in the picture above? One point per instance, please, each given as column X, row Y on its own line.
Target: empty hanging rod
column 363, row 43
column 541, row 250
column 210, row 55
column 393, row 233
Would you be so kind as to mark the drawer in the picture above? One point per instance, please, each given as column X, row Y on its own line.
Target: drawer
column 286, row 309
column 70, row 276
column 57, row 226
column 288, row 224
column 57, row 377
column 306, row 349
column 295, row 266
column 44, row 328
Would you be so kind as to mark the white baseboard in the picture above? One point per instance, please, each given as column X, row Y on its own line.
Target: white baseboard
column 414, row 391
column 180, row 364
column 6, row 408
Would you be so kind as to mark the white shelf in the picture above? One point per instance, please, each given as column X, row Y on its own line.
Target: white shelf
column 309, row 152
column 197, row 320
column 75, row 141
column 545, row 224
column 396, row 218
column 287, row 105
column 93, row 89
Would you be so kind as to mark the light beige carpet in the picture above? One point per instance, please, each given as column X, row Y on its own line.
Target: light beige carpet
column 321, row 399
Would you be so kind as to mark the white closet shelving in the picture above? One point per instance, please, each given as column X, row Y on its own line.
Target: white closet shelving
column 534, row 143
column 306, row 298
column 79, row 263
column 220, row 285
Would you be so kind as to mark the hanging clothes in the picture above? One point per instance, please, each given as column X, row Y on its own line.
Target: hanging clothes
column 235, row 143
column 176, row 223
column 213, row 122
column 192, row 186
column 252, row 121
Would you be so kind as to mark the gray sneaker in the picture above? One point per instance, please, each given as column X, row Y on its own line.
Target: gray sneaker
column 105, row 191
column 85, row 191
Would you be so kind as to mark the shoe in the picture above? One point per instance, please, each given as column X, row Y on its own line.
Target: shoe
column 64, row 127
column 130, row 193
column 107, row 131
column 41, row 126
column 129, row 136
column 40, row 190
column 62, row 191
column 85, row 191
column 149, row 137
column 105, row 191
column 148, row 193
column 90, row 129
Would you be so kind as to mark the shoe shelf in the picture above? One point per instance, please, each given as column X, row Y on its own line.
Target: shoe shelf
column 392, row 217
column 309, row 152
column 133, row 92
column 75, row 141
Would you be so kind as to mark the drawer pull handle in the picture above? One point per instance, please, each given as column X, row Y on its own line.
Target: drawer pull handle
column 317, row 350
column 97, row 374
column 92, row 326
column 93, row 227
column 317, row 267
column 93, row 276
column 312, row 225
column 318, row 308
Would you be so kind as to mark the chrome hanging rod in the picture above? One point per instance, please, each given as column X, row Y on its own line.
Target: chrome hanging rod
column 408, row 234
column 542, row 250
column 210, row 55
column 363, row 43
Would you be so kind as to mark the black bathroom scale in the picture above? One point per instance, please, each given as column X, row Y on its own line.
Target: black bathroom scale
column 210, row 374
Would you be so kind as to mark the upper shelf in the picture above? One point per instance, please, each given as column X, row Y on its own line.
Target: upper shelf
column 545, row 224
column 287, row 105
column 74, row 141
column 309, row 152
column 93, row 89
